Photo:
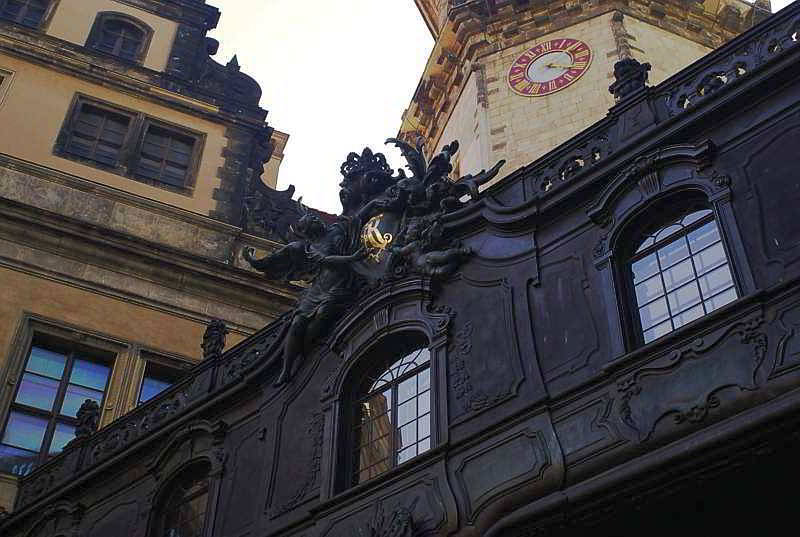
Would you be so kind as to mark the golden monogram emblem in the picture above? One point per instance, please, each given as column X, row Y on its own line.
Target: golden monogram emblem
column 374, row 239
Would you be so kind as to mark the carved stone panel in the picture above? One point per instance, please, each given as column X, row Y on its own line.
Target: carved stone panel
column 500, row 466
column 244, row 484
column 789, row 343
column 587, row 430
column 775, row 191
column 563, row 323
column 118, row 520
column 684, row 385
column 484, row 362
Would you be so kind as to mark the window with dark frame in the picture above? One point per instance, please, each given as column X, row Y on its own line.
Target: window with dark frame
column 56, row 380
column 393, row 417
column 157, row 378
column 98, row 134
column 165, row 156
column 121, row 36
column 680, row 273
column 28, row 13
column 130, row 144
column 185, row 509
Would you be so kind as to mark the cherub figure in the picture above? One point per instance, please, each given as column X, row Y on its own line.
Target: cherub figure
column 317, row 256
column 422, row 244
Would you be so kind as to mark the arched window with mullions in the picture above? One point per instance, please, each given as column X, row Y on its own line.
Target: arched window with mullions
column 184, row 505
column 28, row 13
column 121, row 36
column 391, row 411
column 678, row 270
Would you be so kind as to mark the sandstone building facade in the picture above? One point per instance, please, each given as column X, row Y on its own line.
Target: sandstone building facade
column 464, row 93
column 126, row 158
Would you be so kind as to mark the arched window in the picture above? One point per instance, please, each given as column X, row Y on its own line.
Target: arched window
column 121, row 36
column 392, row 412
column 183, row 509
column 677, row 272
column 29, row 13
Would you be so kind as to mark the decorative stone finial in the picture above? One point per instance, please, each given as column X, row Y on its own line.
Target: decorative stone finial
column 631, row 76
column 214, row 339
column 88, row 419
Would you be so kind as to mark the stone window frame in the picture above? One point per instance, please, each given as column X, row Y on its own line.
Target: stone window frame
column 32, row 327
column 104, row 17
column 43, row 24
column 132, row 144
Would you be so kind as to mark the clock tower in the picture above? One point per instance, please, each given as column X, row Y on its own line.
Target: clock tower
column 513, row 79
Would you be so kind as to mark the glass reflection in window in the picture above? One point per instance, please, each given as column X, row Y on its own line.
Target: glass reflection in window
column 185, row 510
column 43, row 413
column 394, row 418
column 681, row 273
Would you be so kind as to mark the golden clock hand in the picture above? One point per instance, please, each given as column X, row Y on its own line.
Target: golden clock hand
column 559, row 66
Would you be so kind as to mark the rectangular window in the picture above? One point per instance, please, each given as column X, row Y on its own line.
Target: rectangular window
column 157, row 378
column 57, row 378
column 166, row 155
column 131, row 144
column 28, row 13
column 98, row 134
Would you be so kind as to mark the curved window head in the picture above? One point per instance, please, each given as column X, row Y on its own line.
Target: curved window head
column 120, row 36
column 392, row 414
column 184, row 508
column 678, row 272
column 28, row 13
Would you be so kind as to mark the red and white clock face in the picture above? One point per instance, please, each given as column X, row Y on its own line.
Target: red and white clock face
column 549, row 67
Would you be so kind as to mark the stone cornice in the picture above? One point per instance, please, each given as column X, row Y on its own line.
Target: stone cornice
column 195, row 12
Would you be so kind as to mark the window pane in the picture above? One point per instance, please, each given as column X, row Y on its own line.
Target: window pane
column 695, row 216
column 407, row 454
column 47, row 363
column 649, row 289
column 715, row 281
column 408, row 435
column 657, row 331
column 667, row 231
column 678, row 275
column 425, row 426
column 407, row 389
column 75, row 397
column 710, row 258
column 644, row 268
column 688, row 316
column 424, row 379
column 63, row 434
column 17, row 461
column 673, row 252
column 406, row 412
column 25, row 431
column 683, row 298
column 703, row 237
column 152, row 387
column 721, row 299
column 424, row 445
column 36, row 391
column 654, row 313
column 90, row 374
column 424, row 402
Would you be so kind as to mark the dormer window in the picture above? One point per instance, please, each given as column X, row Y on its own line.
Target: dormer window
column 28, row 13
column 120, row 36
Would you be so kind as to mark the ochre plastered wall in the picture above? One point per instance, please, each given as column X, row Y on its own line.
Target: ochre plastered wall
column 72, row 21
column 38, row 102
column 156, row 330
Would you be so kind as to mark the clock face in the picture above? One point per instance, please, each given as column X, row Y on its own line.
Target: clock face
column 549, row 67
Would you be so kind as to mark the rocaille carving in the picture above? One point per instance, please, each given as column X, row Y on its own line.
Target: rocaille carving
column 314, row 434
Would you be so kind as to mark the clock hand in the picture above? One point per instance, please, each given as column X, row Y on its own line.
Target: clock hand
column 559, row 66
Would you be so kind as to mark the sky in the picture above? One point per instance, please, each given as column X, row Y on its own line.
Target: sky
column 336, row 75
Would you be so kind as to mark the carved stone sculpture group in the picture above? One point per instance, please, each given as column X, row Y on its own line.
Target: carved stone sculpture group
column 391, row 226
